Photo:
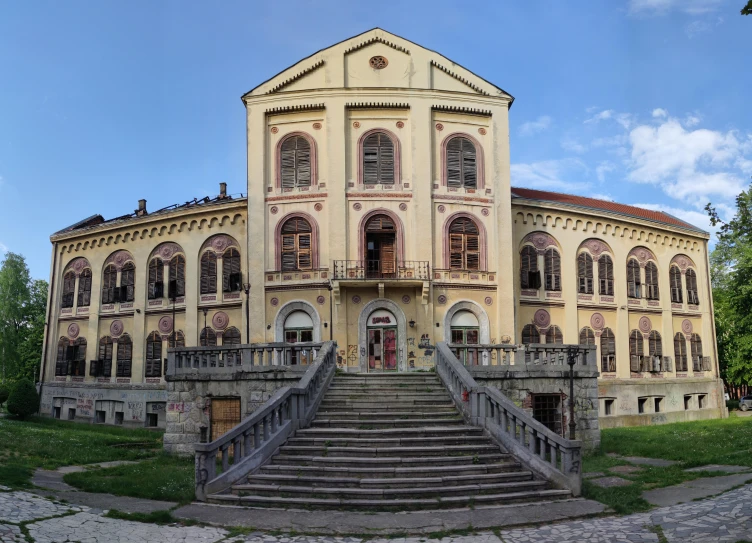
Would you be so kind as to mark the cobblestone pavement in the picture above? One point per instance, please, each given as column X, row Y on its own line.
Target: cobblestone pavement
column 18, row 507
column 10, row 534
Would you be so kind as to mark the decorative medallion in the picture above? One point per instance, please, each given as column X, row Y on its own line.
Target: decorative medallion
column 439, row 127
column 406, row 299
column 79, row 265
column 441, row 209
column 356, row 124
column 274, row 302
column 167, row 250
column 403, row 206
column 400, row 124
column 641, row 254
column 165, row 324
column 321, row 300
column 317, row 126
column 378, row 62
column 221, row 242
column 275, row 129
column 442, row 299
column 596, row 247
column 597, row 321
column 73, row 330
column 482, row 131
column 539, row 240
column 687, row 327
column 357, row 206
column 485, row 212
column 116, row 328
column 645, row 325
column 356, row 299
column 273, row 210
column 488, row 300
column 119, row 258
column 542, row 318
column 682, row 261
column 318, row 207
column 220, row 320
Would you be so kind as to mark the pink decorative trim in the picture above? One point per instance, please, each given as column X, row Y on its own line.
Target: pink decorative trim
column 480, row 162
column 442, row 299
column 320, row 300
column 441, row 209
column 488, row 300
column 119, row 259
column 166, row 250
column 397, row 154
column 403, row 206
column 356, row 124
column 165, row 324
column 273, row 210
column 596, row 247
column 318, row 207
column 73, row 330
column 597, row 321
column 406, row 299
column 446, row 197
column 540, row 240
column 542, row 318
column 485, row 212
column 78, row 265
column 481, row 232
column 274, row 302
column 219, row 243
column 356, row 299
column 380, row 195
column 645, row 325
column 482, row 131
column 274, row 130
column 642, row 254
column 686, row 326
column 357, row 206
column 684, row 262
column 400, row 233
column 317, row 126
column 314, row 241
column 278, row 158
column 116, row 328
column 291, row 197
column 220, row 320
column 439, row 127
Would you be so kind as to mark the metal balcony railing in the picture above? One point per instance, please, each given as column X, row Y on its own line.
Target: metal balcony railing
column 378, row 269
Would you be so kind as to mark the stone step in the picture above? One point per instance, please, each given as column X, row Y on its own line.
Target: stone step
column 384, row 423
column 412, row 432
column 408, row 376
column 394, row 405
column 407, row 395
column 387, row 482
column 338, row 441
column 381, row 461
column 394, row 504
column 385, row 472
column 368, row 415
column 391, row 452
column 357, row 389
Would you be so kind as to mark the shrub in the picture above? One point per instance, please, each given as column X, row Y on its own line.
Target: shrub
column 23, row 400
column 732, row 404
column 4, row 393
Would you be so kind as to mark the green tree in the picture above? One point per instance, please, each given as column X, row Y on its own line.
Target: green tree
column 23, row 400
column 747, row 10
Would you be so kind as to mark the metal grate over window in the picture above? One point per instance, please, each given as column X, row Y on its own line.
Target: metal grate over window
column 547, row 411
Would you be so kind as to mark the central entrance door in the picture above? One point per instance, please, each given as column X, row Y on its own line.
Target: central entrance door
column 465, row 330
column 382, row 341
column 380, row 242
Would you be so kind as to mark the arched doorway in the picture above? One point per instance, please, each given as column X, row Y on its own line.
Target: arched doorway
column 299, row 329
column 371, row 318
column 380, row 243
column 382, row 341
column 465, row 330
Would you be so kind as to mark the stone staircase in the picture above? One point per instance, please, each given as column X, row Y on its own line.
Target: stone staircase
column 389, row 442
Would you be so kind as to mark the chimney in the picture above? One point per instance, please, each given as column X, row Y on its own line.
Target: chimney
column 222, row 191
column 141, row 208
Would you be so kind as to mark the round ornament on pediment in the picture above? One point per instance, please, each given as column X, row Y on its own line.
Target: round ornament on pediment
column 682, row 262
column 356, row 124
column 317, row 126
column 596, row 247
column 73, row 330
column 357, row 206
column 318, row 207
column 79, row 265
column 400, row 124
column 116, row 328
column 540, row 241
column 220, row 320
column 378, row 62
column 220, row 243
column 165, row 324
column 403, row 206
column 274, row 130
column 274, row 210
column 406, row 299
column 439, row 127
column 597, row 321
column 686, row 326
column 482, row 131
column 488, row 300
column 120, row 258
column 441, row 209
column 485, row 212
column 542, row 318
column 645, row 325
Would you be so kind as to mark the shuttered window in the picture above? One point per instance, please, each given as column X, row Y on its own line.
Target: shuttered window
column 295, row 163
column 124, row 356
column 109, row 285
column 651, row 281
column 633, row 279
column 608, row 350
column 674, row 276
column 69, row 289
column 464, row 245
column 530, row 334
column 461, row 164
column 156, row 279
column 77, row 361
column 103, row 367
column 554, row 335
column 61, row 362
column 636, row 351
column 179, row 342
column 127, row 282
column 680, row 352
column 154, row 355
column 84, row 288
column 378, row 159
column 208, row 338
column 605, row 276
column 177, row 275
column 691, row 278
column 529, row 275
column 208, row 273
column 231, row 336
column 231, row 278
column 296, row 245
column 655, row 344
column 695, row 344
column 587, row 336
column 584, row 273
column 552, row 269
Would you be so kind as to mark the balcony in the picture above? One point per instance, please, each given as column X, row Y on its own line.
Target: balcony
column 381, row 270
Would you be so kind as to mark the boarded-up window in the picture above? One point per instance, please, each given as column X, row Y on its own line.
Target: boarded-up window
column 84, row 288
column 605, row 276
column 225, row 415
column 69, row 289
column 635, row 351
column 103, row 367
column 61, row 362
column 554, row 335
column 109, row 285
column 177, row 276
column 655, row 344
column 529, row 275
column 297, row 237
column 127, row 282
column 461, row 164
column 696, row 351
column 691, row 278
column 156, row 279
column 231, row 336
column 651, row 281
column 378, row 159
column 552, row 269
column 608, row 350
column 680, row 352
column 231, row 277
column 464, row 245
column 208, row 273
column 77, row 363
column 633, row 279
column 674, row 276
column 584, row 273
column 208, row 338
column 295, row 162
column 154, row 355
column 124, row 356
column 587, row 336
column 530, row 334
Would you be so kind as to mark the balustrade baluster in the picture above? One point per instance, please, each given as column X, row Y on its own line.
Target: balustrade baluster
column 225, row 457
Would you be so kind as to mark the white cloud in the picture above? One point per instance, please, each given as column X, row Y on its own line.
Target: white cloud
column 660, row 112
column 570, row 144
column 3, row 248
column 533, row 127
column 550, row 174
column 624, row 119
column 661, row 7
column 604, row 168
column 612, row 141
column 602, row 116
column 700, row 26
column 599, row 196
column 691, row 120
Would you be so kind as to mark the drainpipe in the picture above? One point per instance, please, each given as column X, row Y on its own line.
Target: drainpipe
column 50, row 302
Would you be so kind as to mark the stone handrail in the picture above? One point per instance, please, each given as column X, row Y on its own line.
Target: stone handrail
column 230, row 359
column 543, row 451
column 533, row 354
column 256, row 438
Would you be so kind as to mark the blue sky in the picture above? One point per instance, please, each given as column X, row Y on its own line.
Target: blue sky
column 102, row 103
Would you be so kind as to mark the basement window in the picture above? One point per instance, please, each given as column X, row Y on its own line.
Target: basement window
column 100, row 417
column 57, row 413
column 547, row 411
column 118, row 417
column 702, row 401
column 641, row 405
column 71, row 414
column 151, row 420
column 657, row 404
column 608, row 407
column 687, row 402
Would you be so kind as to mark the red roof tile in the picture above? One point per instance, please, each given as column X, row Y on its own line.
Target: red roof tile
column 605, row 205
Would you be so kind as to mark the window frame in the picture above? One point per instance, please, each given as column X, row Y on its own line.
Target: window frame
column 608, row 350
column 674, row 275
column 605, row 275
column 479, row 161
column 124, row 363
column 634, row 279
column 232, row 277
column 207, row 277
column 585, row 273
column 552, row 269
column 381, row 163
column 68, row 294
column 312, row 161
column 290, row 244
column 460, row 241
column 528, row 273
column 84, row 288
column 467, row 163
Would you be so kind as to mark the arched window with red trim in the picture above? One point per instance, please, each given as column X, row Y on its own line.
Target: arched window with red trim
column 464, row 245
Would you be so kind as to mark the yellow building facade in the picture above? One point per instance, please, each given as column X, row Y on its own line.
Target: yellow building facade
column 380, row 213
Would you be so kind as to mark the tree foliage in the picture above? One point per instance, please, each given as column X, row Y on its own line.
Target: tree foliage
column 23, row 400
column 747, row 10
column 22, row 315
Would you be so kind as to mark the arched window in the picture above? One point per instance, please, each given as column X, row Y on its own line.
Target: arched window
column 69, row 289
column 461, row 164
column 295, row 162
column 124, row 356
column 109, row 285
column 380, row 242
column 103, row 367
column 231, row 278
column 691, row 278
column 156, row 279
column 378, row 159
column 651, row 281
column 208, row 338
column 179, row 342
column 177, row 276
column 680, row 352
column 465, row 329
column 605, row 276
column 208, row 273
column 552, row 269
column 231, row 337
column 636, row 351
column 584, row 273
column 695, row 344
column 633, row 279
column 127, row 282
column 154, row 355
column 529, row 275
column 298, row 327
column 655, row 351
column 61, row 362
column 587, row 336
column 297, row 239
column 608, row 350
column 530, row 334
column 78, row 358
column 554, row 335
column 84, row 288
column 464, row 245
column 676, row 285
